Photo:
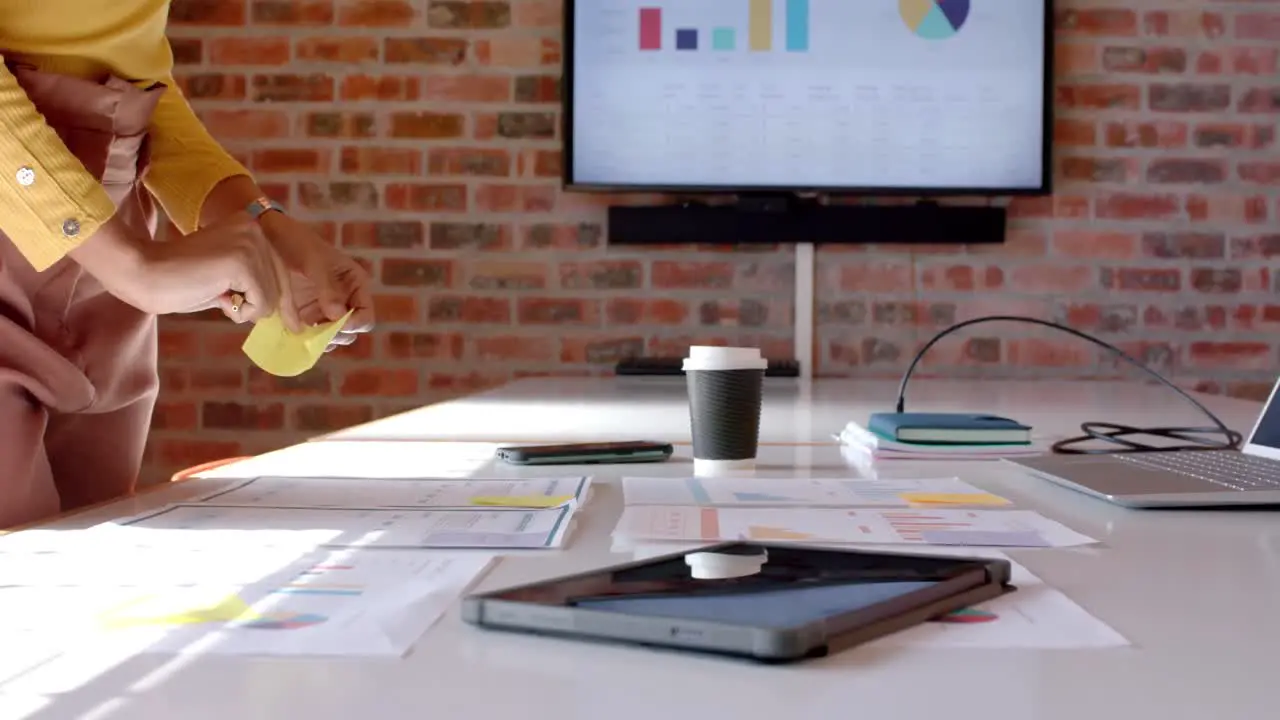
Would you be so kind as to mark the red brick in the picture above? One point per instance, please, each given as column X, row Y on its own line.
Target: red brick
column 483, row 162
column 1262, row 173
column 1098, row 97
column 1094, row 245
column 375, row 13
column 1037, row 352
column 467, row 88
column 246, row 124
column 557, row 311
column 249, row 51
column 1053, row 279
column 517, row 51
column 1070, row 131
column 1104, row 22
column 425, row 345
column 507, row 348
column 1246, row 355
column 876, row 276
column 967, row 278
column 1263, row 26
column 290, row 160
column 426, row 197
column 385, row 88
column 1184, row 24
column 291, row 12
column 515, row 198
column 315, row 418
column 338, row 49
column 366, row 160
column 207, row 13
column 646, row 311
column 380, row 382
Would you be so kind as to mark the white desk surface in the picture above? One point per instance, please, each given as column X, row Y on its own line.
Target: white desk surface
column 1195, row 592
column 795, row 411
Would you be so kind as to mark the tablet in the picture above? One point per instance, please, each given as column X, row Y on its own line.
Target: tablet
column 773, row 603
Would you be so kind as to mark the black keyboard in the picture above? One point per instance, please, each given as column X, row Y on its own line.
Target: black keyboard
column 675, row 366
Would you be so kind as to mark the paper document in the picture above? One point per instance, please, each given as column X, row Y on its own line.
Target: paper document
column 276, row 350
column 805, row 492
column 347, row 603
column 998, row 528
column 407, row 493
column 1037, row 615
column 202, row 526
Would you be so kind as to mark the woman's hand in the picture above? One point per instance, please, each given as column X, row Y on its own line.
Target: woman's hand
column 323, row 283
column 201, row 270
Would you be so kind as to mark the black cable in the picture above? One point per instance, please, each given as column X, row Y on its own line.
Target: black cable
column 1110, row 433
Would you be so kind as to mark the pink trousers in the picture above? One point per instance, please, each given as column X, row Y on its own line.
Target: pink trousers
column 78, row 377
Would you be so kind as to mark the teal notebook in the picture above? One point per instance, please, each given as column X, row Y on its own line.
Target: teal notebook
column 949, row 428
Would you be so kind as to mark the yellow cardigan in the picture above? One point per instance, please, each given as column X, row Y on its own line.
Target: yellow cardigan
column 93, row 38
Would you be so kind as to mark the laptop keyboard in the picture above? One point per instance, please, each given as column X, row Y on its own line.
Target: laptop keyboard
column 1225, row 468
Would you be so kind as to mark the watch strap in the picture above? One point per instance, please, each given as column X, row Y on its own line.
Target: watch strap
column 263, row 205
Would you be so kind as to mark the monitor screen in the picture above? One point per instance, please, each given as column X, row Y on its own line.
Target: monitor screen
column 875, row 95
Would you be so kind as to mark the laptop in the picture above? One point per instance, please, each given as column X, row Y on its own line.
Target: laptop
column 1198, row 478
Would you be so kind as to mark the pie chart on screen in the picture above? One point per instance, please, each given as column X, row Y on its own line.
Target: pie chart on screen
column 934, row 19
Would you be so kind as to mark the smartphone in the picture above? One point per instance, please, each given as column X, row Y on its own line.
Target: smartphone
column 586, row 453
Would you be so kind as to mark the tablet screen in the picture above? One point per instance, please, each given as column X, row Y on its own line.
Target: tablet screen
column 793, row 587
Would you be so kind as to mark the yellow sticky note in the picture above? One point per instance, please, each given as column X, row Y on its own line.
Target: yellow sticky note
column 922, row 498
column 524, row 501
column 276, row 350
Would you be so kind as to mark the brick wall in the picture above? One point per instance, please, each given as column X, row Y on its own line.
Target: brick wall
column 422, row 135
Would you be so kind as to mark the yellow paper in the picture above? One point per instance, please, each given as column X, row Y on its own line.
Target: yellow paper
column 923, row 498
column 276, row 350
column 524, row 501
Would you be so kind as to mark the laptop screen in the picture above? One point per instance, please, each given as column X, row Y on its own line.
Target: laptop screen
column 1267, row 433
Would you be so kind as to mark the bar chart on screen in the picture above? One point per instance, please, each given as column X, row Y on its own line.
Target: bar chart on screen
column 770, row 25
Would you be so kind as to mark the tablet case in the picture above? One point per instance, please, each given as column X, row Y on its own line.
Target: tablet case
column 989, row 579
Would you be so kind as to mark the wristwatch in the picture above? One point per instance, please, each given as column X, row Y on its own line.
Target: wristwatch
column 262, row 206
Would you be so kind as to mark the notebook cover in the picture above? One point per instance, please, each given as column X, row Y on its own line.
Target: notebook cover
column 888, row 424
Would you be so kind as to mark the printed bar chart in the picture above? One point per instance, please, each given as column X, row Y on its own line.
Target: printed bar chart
column 797, row 25
column 686, row 39
column 760, row 25
column 650, row 28
column 722, row 38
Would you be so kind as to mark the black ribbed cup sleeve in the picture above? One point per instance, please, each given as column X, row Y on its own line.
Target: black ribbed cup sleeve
column 724, row 411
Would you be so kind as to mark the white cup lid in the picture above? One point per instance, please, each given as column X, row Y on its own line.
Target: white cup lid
column 708, row 357
column 717, row 566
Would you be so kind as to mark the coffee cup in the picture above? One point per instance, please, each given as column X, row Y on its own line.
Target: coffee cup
column 726, row 391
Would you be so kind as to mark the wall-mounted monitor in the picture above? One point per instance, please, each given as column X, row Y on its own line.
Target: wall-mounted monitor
column 922, row 97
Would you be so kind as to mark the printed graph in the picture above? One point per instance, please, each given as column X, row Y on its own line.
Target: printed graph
column 959, row 528
column 764, row 532
column 178, row 607
column 934, row 19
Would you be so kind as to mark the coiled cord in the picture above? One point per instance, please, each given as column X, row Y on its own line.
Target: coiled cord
column 1113, row 434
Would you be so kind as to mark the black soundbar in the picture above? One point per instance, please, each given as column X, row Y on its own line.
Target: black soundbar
column 790, row 222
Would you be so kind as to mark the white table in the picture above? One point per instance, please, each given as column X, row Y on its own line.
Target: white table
column 1196, row 592
column 795, row 411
